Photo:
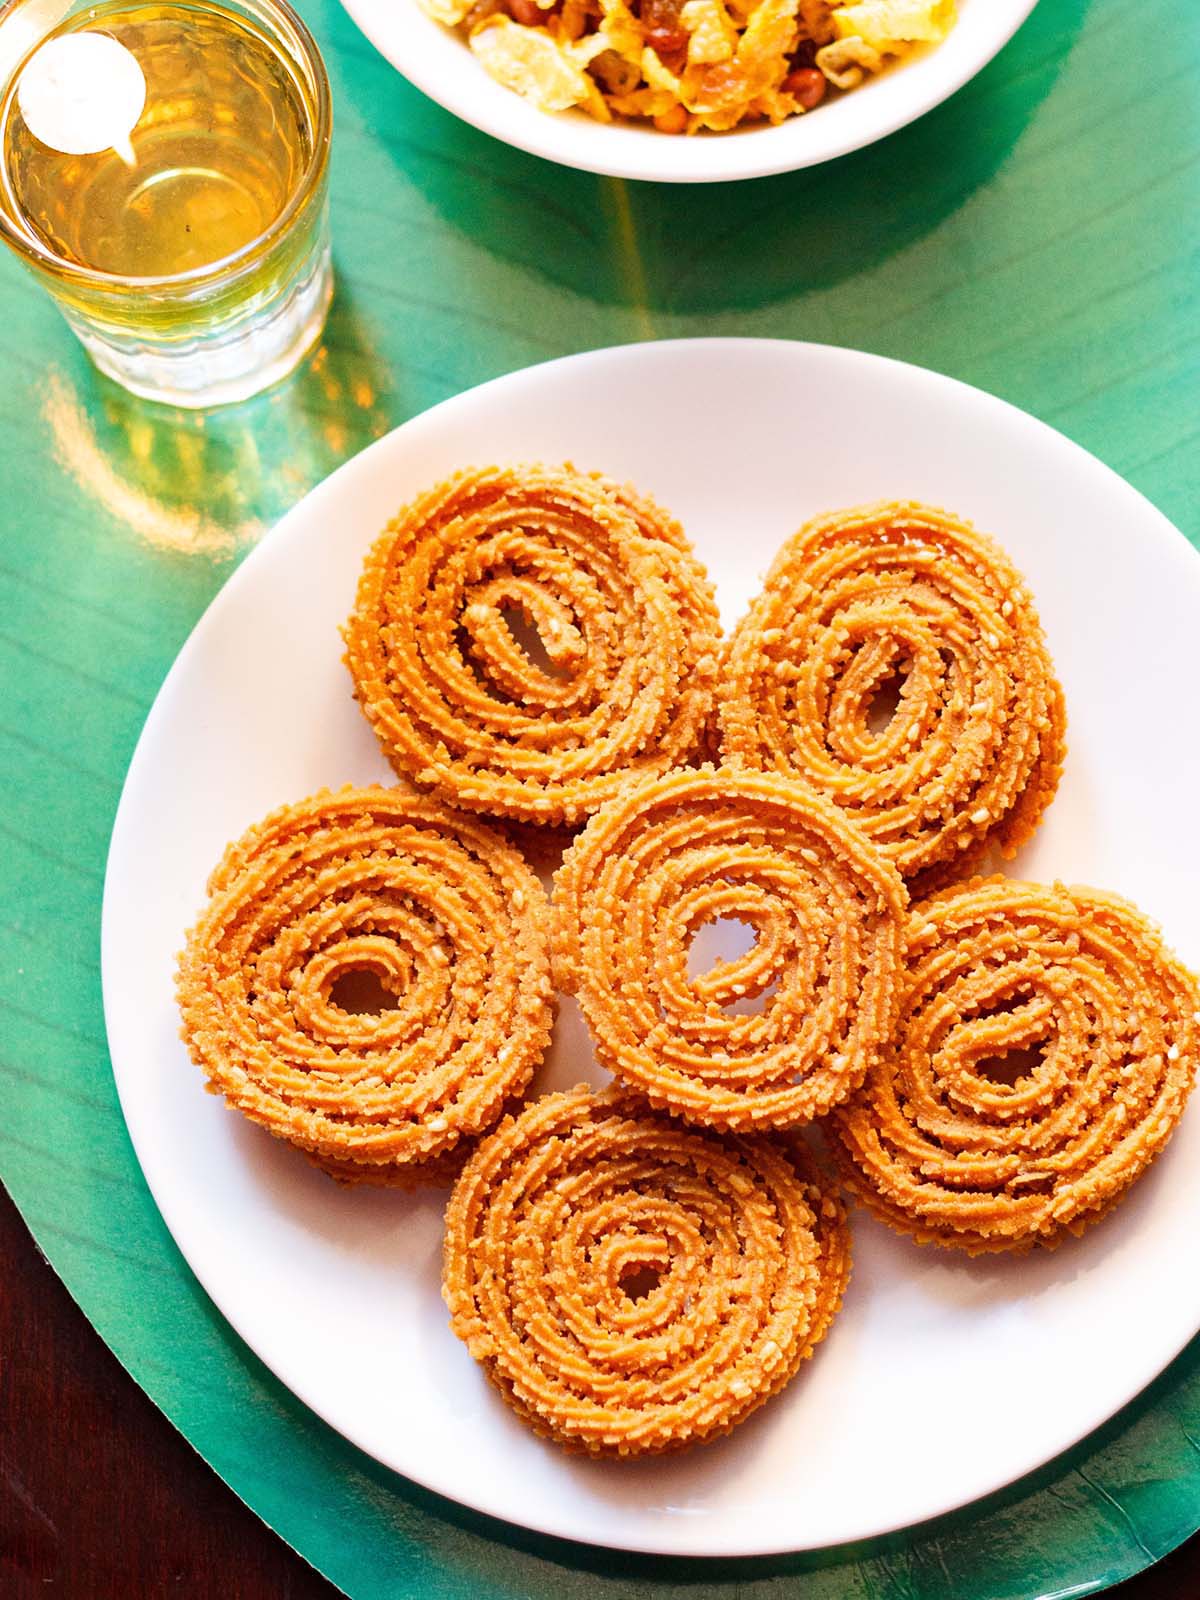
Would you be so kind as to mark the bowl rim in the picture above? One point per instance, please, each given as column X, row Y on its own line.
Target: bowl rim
column 417, row 47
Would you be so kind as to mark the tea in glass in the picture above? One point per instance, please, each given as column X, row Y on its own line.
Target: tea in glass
column 164, row 169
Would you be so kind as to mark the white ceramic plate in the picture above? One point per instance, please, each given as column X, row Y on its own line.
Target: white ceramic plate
column 943, row 1378
column 440, row 63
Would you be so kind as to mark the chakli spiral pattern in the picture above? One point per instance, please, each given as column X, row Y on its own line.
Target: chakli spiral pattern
column 446, row 917
column 631, row 1285
column 596, row 579
column 943, row 1146
column 670, row 855
column 906, row 600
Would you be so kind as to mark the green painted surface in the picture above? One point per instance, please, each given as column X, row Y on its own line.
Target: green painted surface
column 1035, row 236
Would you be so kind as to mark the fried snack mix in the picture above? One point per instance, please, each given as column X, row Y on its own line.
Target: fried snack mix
column 440, row 911
column 949, row 1142
column 595, row 579
column 904, row 600
column 632, row 1286
column 670, row 855
column 687, row 65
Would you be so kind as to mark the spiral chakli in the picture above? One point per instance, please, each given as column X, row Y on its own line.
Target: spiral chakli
column 1046, row 1046
column 631, row 1285
column 433, row 906
column 696, row 846
column 524, row 640
column 903, row 609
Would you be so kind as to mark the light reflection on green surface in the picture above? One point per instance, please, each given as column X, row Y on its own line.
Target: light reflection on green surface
column 208, row 484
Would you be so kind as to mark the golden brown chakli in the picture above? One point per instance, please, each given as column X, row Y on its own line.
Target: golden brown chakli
column 904, row 603
column 526, row 639
column 432, row 905
column 631, row 1285
column 946, row 1144
column 696, row 845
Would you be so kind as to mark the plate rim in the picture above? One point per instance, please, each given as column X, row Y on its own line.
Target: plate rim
column 279, row 532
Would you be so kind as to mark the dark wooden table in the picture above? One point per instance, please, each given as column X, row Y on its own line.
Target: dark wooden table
column 101, row 1499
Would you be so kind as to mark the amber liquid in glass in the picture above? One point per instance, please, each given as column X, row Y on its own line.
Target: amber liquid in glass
column 220, row 147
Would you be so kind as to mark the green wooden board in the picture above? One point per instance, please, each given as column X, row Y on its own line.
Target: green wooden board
column 1035, row 236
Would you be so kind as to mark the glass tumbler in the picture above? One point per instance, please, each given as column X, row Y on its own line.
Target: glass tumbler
column 186, row 242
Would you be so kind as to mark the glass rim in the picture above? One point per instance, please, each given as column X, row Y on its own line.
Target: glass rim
column 228, row 266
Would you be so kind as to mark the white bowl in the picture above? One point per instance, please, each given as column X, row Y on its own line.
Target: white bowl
column 438, row 61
